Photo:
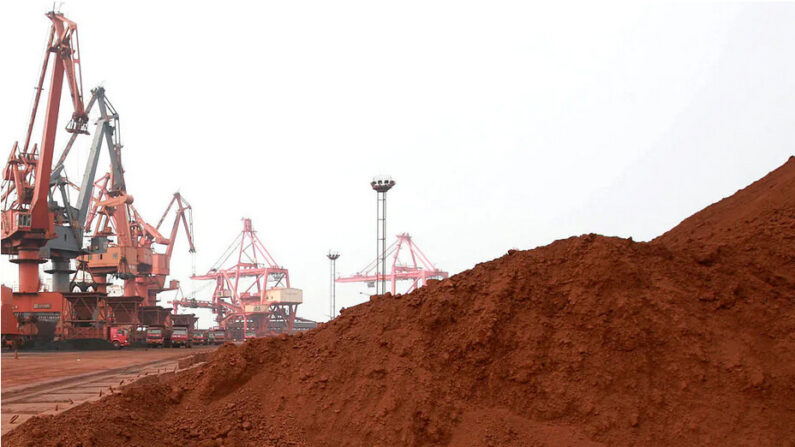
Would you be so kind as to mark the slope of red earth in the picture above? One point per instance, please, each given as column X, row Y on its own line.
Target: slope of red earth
column 686, row 340
column 751, row 232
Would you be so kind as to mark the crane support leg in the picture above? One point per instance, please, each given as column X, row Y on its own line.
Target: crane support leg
column 28, row 260
column 60, row 274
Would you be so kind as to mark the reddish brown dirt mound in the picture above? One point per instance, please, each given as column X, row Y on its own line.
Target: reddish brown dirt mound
column 751, row 233
column 588, row 341
column 767, row 206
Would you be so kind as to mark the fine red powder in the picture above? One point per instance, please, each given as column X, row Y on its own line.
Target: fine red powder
column 592, row 340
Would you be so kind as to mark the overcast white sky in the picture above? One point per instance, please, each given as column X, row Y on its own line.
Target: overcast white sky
column 505, row 125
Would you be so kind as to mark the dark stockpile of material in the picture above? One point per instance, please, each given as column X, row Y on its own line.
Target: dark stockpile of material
column 592, row 340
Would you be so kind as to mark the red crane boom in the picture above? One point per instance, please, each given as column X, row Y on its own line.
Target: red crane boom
column 66, row 62
column 149, row 285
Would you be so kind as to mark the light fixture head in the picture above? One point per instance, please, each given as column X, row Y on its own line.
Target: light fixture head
column 382, row 183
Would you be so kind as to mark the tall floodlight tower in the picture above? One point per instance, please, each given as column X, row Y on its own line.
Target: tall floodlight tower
column 381, row 185
column 333, row 256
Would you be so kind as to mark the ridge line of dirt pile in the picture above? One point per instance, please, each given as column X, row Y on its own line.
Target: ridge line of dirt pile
column 588, row 341
column 766, row 206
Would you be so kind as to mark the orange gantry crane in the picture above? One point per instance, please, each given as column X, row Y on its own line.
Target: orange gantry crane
column 149, row 285
column 37, row 228
column 134, row 256
column 27, row 221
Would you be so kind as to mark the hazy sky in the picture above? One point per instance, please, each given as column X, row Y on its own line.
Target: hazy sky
column 505, row 125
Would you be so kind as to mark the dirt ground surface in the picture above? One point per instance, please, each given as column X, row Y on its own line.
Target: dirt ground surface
column 34, row 367
column 685, row 340
column 46, row 383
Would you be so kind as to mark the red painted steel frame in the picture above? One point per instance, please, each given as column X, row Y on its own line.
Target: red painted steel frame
column 417, row 272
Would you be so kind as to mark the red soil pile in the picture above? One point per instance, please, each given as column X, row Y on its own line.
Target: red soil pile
column 592, row 340
column 752, row 232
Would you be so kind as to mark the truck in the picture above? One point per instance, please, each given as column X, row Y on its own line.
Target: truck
column 219, row 336
column 17, row 331
column 158, row 336
column 199, row 337
column 250, row 334
column 120, row 337
column 181, row 336
column 182, row 329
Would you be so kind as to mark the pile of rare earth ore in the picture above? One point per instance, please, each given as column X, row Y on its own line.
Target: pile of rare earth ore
column 685, row 340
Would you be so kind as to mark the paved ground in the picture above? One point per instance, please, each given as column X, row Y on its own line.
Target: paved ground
column 50, row 382
column 34, row 367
